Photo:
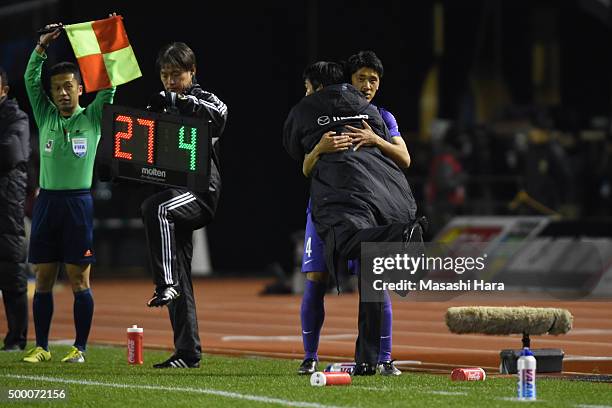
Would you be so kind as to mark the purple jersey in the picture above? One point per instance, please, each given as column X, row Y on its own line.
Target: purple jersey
column 390, row 121
column 313, row 259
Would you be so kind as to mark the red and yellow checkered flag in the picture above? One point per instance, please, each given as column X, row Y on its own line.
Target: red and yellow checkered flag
column 103, row 52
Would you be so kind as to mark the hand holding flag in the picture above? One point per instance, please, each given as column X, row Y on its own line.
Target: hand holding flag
column 49, row 28
column 47, row 34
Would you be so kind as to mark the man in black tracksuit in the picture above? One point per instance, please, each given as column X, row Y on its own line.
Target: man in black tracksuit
column 357, row 195
column 172, row 214
column 14, row 154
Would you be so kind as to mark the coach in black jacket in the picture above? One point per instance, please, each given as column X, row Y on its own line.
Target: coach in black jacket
column 357, row 195
column 14, row 154
column 171, row 215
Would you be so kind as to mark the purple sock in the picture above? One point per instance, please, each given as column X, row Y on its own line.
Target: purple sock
column 385, row 330
column 83, row 313
column 42, row 309
column 312, row 314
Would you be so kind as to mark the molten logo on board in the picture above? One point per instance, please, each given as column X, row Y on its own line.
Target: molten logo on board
column 153, row 172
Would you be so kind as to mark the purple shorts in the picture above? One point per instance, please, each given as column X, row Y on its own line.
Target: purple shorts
column 313, row 259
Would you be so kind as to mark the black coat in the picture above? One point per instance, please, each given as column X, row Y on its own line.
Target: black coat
column 14, row 154
column 350, row 190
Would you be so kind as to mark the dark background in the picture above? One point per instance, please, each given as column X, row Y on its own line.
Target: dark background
column 251, row 55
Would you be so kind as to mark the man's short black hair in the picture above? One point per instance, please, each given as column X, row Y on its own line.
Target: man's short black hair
column 3, row 76
column 364, row 59
column 66, row 68
column 323, row 73
column 176, row 54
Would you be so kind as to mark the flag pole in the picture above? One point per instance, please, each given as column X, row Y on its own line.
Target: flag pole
column 50, row 28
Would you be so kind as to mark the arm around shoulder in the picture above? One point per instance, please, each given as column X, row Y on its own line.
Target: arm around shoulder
column 400, row 155
column 397, row 149
column 310, row 159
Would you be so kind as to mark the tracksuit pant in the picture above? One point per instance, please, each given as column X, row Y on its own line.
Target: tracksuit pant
column 14, row 288
column 170, row 217
column 367, row 346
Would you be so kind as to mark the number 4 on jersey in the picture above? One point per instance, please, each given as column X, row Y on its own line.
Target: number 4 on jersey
column 308, row 249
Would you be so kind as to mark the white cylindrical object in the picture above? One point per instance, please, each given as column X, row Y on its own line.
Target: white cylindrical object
column 526, row 369
column 318, row 379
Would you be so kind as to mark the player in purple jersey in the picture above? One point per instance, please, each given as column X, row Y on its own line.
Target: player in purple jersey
column 365, row 71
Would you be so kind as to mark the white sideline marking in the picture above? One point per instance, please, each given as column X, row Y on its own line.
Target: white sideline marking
column 285, row 338
column 518, row 400
column 575, row 332
column 62, row 342
column 227, row 394
column 586, row 358
column 363, row 387
column 446, row 393
column 592, row 406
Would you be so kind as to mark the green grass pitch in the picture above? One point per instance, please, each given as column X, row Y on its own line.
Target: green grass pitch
column 106, row 380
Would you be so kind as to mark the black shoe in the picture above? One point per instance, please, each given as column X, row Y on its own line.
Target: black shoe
column 12, row 347
column 364, row 369
column 163, row 296
column 308, row 366
column 388, row 368
column 177, row 362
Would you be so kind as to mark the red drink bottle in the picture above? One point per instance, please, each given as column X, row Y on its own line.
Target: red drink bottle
column 134, row 345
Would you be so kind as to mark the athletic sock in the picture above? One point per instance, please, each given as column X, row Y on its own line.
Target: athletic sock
column 386, row 330
column 42, row 309
column 312, row 314
column 83, row 313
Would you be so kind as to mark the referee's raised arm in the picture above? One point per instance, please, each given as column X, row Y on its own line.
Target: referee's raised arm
column 41, row 105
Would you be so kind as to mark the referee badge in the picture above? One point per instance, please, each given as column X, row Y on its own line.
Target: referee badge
column 79, row 146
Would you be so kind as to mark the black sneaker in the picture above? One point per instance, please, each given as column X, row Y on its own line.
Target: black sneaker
column 177, row 362
column 388, row 368
column 308, row 366
column 364, row 369
column 163, row 296
column 12, row 347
